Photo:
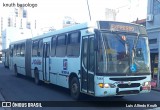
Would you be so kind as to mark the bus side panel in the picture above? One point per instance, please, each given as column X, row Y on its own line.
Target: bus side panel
column 28, row 57
column 63, row 67
column 19, row 62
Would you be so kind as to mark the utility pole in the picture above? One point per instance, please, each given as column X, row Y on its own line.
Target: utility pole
column 89, row 10
column 158, row 74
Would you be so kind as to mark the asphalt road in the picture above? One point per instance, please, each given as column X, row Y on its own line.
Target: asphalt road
column 23, row 89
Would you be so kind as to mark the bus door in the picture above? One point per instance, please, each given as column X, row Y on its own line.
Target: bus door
column 87, row 65
column 46, row 62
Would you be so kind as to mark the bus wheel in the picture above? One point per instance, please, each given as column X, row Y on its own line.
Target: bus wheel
column 36, row 77
column 75, row 88
column 15, row 71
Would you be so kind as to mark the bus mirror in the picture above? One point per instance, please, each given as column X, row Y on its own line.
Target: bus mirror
column 139, row 52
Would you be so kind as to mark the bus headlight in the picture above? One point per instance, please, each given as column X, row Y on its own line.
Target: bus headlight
column 106, row 85
column 148, row 83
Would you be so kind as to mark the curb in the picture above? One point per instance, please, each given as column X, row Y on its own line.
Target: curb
column 155, row 89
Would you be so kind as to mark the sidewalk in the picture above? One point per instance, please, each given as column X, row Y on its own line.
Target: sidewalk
column 2, row 99
column 156, row 88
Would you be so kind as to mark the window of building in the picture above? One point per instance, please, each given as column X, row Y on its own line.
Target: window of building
column 152, row 41
column 9, row 22
column 73, row 48
column 24, row 14
column 16, row 12
column 156, row 6
column 34, row 48
column 61, row 46
column 53, row 46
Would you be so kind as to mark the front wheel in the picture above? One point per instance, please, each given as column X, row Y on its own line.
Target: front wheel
column 75, row 88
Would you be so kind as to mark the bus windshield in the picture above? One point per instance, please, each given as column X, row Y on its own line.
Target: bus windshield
column 128, row 55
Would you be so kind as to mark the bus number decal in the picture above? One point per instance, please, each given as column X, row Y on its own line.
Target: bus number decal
column 36, row 62
column 65, row 67
column 65, row 64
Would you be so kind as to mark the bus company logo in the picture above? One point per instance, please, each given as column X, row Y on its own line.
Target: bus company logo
column 65, row 64
column 129, row 83
column 36, row 62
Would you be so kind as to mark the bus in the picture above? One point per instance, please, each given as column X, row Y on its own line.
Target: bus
column 5, row 57
column 20, row 58
column 102, row 59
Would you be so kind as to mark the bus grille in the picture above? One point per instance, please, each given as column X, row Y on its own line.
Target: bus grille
column 128, row 79
column 128, row 86
column 128, row 92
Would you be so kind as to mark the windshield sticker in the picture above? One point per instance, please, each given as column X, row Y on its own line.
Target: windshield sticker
column 133, row 68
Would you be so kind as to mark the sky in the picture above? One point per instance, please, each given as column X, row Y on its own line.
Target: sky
column 51, row 12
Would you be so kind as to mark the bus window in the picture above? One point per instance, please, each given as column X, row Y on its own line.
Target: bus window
column 34, row 48
column 14, row 50
column 61, row 46
column 53, row 46
column 40, row 48
column 91, row 53
column 73, row 48
column 18, row 50
column 22, row 50
column 48, row 50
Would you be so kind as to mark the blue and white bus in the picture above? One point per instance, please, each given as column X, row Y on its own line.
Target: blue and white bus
column 102, row 59
column 5, row 58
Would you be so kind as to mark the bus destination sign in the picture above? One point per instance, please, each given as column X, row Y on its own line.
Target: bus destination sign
column 118, row 26
column 121, row 27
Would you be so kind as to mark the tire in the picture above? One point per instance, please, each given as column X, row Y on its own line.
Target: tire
column 75, row 88
column 15, row 71
column 36, row 78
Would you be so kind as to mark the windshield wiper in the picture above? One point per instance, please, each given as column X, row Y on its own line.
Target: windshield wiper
column 133, row 65
column 134, row 48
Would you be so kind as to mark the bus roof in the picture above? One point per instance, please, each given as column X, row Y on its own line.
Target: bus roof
column 66, row 29
column 101, row 25
column 19, row 41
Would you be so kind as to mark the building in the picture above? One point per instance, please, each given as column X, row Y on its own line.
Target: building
column 141, row 22
column 110, row 14
column 153, row 29
column 14, row 26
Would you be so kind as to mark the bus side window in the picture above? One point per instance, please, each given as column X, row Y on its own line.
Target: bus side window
column 15, row 50
column 40, row 48
column 11, row 52
column 91, row 53
column 22, row 50
column 18, row 49
column 53, row 46
column 34, row 48
column 73, row 48
column 61, row 46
